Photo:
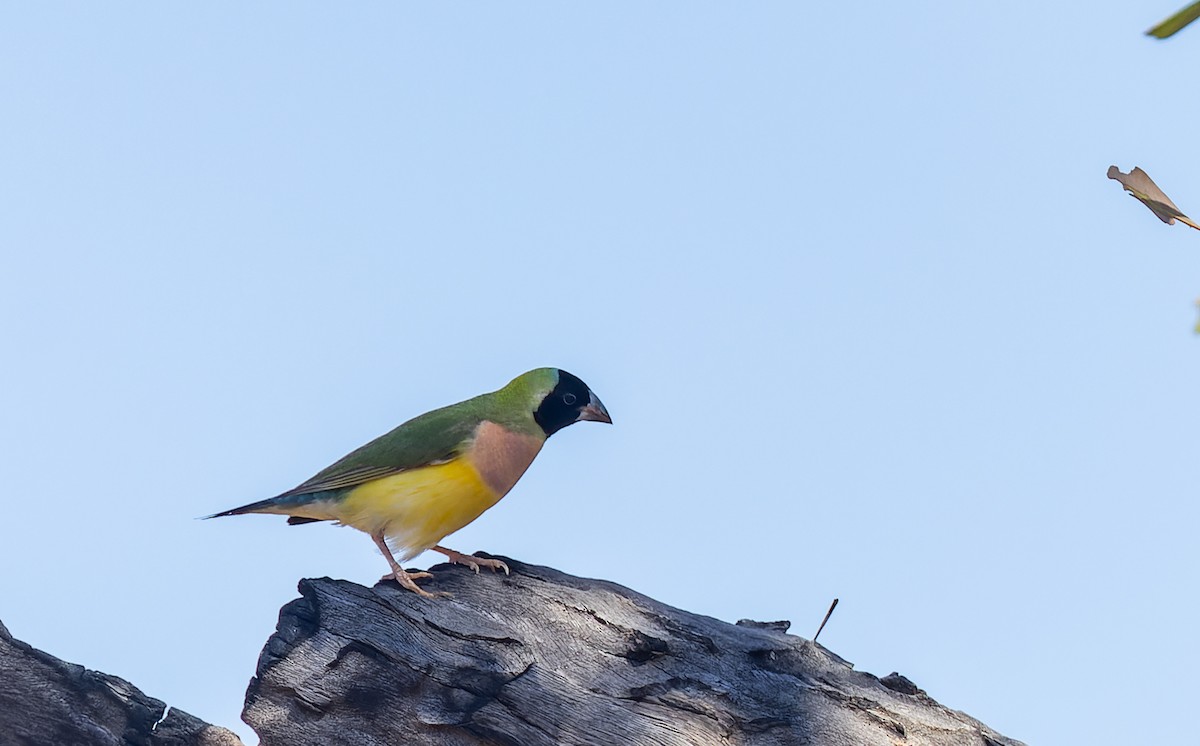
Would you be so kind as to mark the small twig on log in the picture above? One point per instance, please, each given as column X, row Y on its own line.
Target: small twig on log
column 829, row 613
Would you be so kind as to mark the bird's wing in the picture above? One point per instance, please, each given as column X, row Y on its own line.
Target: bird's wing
column 348, row 478
column 433, row 438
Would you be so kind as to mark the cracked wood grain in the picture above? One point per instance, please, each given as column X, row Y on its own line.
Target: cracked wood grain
column 541, row 658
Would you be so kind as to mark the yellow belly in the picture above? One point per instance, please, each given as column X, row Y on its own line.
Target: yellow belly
column 416, row 509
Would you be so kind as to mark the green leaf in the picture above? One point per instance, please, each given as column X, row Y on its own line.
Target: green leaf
column 1176, row 22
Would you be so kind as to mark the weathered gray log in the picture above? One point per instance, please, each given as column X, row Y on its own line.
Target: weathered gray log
column 45, row 701
column 544, row 658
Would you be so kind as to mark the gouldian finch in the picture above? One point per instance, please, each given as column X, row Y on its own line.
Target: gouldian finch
column 432, row 475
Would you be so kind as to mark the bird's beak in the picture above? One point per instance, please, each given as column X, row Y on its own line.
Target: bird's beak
column 594, row 411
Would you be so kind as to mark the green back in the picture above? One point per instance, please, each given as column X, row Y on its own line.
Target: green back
column 439, row 435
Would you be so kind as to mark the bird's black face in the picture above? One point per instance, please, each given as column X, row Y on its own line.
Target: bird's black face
column 571, row 401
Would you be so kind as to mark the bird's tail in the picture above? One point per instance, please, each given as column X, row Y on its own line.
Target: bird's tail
column 270, row 505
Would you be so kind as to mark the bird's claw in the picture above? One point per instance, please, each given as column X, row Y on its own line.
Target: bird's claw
column 411, row 575
column 493, row 564
column 473, row 562
column 408, row 580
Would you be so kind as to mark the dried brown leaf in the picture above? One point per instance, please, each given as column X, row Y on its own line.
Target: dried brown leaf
column 1139, row 184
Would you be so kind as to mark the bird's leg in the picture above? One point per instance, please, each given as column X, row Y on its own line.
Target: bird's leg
column 472, row 562
column 404, row 578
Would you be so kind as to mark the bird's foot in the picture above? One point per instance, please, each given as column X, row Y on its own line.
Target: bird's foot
column 410, row 575
column 474, row 563
column 405, row 579
column 408, row 580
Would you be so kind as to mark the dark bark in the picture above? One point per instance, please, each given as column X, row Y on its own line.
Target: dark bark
column 45, row 701
column 544, row 658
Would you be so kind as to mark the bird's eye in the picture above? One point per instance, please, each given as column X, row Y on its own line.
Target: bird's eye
column 568, row 399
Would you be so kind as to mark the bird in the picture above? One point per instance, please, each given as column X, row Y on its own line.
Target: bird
column 430, row 476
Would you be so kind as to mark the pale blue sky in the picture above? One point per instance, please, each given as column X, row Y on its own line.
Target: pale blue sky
column 869, row 318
